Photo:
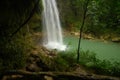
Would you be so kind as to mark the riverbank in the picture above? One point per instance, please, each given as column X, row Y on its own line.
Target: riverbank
column 40, row 59
column 38, row 67
column 89, row 36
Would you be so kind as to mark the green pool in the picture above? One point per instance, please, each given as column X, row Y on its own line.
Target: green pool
column 109, row 51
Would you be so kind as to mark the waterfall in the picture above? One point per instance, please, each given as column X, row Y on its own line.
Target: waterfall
column 51, row 26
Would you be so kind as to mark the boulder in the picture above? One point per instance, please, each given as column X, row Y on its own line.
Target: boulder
column 116, row 40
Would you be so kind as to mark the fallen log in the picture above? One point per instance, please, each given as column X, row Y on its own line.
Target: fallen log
column 56, row 75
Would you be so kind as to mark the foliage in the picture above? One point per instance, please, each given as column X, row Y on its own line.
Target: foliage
column 54, row 63
column 89, row 60
column 102, row 16
column 100, row 66
column 60, row 64
column 72, row 20
column 13, row 50
column 13, row 53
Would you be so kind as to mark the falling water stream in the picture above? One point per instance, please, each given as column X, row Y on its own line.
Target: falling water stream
column 51, row 26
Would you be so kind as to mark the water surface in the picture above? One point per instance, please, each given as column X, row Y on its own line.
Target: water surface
column 104, row 50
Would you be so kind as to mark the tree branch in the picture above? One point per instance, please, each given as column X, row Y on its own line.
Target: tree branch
column 57, row 75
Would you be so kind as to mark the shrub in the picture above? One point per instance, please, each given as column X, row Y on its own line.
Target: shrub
column 89, row 60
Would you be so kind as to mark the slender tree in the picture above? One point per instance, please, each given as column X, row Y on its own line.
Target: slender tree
column 81, row 28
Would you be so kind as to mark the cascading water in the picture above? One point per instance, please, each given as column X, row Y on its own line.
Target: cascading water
column 52, row 26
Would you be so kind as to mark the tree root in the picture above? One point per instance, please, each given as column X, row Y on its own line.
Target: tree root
column 55, row 75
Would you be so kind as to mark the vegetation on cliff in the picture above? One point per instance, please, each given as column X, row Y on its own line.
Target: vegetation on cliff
column 20, row 21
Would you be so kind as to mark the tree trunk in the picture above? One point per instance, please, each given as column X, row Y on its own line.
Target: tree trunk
column 81, row 29
column 55, row 75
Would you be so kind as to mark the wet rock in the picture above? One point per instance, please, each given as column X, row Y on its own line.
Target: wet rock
column 88, row 36
column 48, row 78
column 116, row 40
column 30, row 60
column 33, row 68
column 75, row 33
column 35, row 64
column 42, row 65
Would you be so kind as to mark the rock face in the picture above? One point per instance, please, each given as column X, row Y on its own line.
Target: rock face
column 35, row 64
column 88, row 36
column 116, row 40
column 75, row 33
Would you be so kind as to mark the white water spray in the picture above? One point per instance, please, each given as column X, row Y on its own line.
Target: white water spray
column 52, row 26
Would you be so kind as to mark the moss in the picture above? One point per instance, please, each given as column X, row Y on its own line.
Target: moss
column 13, row 50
